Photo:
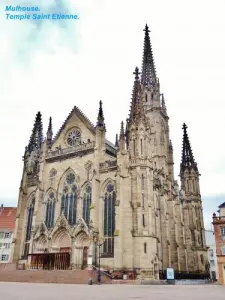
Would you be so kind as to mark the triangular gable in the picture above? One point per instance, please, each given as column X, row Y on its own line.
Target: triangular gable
column 222, row 205
column 82, row 118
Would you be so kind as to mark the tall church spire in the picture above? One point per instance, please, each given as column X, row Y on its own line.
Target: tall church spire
column 148, row 74
column 100, row 120
column 36, row 138
column 137, row 109
column 187, row 160
column 49, row 132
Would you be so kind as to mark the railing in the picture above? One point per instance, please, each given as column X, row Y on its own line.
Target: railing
column 185, row 275
column 50, row 261
column 141, row 161
column 102, row 271
column 221, row 218
column 70, row 150
column 108, row 164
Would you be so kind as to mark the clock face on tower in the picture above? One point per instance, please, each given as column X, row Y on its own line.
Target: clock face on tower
column 73, row 137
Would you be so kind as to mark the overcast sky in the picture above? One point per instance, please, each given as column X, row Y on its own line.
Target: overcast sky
column 53, row 65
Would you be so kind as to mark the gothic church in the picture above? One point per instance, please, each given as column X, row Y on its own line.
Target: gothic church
column 82, row 197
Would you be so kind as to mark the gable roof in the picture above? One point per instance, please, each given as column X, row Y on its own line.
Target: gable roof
column 7, row 217
column 222, row 205
column 81, row 116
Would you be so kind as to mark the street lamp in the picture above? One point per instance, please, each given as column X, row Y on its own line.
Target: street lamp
column 98, row 242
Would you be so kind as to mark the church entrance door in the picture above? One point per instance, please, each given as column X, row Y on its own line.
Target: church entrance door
column 85, row 255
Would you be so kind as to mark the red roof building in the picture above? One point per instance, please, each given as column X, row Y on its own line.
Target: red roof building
column 7, row 225
column 7, row 218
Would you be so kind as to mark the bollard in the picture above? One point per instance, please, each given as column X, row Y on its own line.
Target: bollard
column 90, row 281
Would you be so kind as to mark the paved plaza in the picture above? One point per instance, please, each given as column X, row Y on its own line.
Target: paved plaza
column 32, row 291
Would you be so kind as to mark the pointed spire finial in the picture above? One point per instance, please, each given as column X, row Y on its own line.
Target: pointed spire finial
column 36, row 138
column 148, row 74
column 117, row 141
column 136, row 109
column 49, row 132
column 187, row 160
column 122, row 130
column 163, row 103
column 122, row 137
column 170, row 146
column 136, row 73
column 100, row 122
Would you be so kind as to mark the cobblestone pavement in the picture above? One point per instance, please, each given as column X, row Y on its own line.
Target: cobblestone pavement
column 42, row 291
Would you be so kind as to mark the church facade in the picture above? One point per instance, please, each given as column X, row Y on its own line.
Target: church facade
column 82, row 197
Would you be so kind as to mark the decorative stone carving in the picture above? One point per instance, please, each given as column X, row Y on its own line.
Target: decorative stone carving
column 62, row 223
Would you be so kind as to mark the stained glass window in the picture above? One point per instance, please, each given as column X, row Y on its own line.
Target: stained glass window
column 30, row 213
column 109, row 220
column 69, row 199
column 50, row 211
column 87, row 204
column 30, row 219
column 74, row 137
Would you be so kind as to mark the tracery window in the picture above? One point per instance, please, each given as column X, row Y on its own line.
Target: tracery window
column 142, row 191
column 30, row 214
column 109, row 220
column 87, row 204
column 50, row 211
column 69, row 199
column 74, row 137
column 30, row 218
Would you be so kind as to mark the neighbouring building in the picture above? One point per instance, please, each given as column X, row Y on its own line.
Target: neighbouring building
column 212, row 258
column 80, row 193
column 7, row 225
column 219, row 230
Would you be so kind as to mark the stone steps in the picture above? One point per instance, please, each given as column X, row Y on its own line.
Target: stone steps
column 54, row 276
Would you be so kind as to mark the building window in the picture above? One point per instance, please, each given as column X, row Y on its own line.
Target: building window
column 30, row 219
column 145, row 247
column 50, row 210
column 4, row 257
column 192, row 237
column 69, row 199
column 212, row 263
column 202, row 259
column 211, row 253
column 141, row 147
column 7, row 235
column 6, row 245
column 142, row 190
column 87, row 204
column 143, row 220
column 29, row 226
column 74, row 137
column 109, row 220
column 222, row 232
column 223, row 250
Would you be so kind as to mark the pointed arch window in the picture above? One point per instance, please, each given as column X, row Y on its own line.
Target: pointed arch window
column 30, row 219
column 87, row 204
column 69, row 199
column 109, row 220
column 50, row 210
column 30, row 214
column 142, row 191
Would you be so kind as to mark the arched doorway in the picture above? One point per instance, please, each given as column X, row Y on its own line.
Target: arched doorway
column 81, row 250
column 61, row 250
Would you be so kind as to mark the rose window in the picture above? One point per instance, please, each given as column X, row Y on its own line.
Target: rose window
column 74, row 137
